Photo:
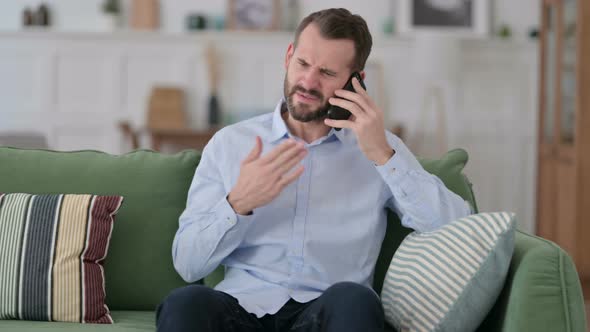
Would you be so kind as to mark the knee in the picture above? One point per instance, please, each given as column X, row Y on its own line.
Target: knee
column 190, row 296
column 357, row 307
column 353, row 292
column 352, row 296
column 188, row 301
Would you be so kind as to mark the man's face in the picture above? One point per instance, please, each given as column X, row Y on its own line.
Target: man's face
column 315, row 70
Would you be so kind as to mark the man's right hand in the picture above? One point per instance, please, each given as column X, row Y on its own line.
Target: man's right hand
column 263, row 178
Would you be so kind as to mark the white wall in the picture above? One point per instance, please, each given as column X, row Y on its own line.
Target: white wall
column 75, row 86
column 70, row 15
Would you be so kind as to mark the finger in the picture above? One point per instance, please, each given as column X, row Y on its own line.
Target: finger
column 277, row 151
column 339, row 123
column 255, row 153
column 363, row 101
column 358, row 88
column 285, row 166
column 287, row 156
column 348, row 105
column 290, row 177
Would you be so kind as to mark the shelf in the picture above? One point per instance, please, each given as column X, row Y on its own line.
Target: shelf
column 228, row 35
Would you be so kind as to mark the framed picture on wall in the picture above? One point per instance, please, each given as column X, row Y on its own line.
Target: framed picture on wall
column 460, row 17
column 253, row 14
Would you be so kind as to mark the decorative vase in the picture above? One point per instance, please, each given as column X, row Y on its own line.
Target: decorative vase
column 145, row 14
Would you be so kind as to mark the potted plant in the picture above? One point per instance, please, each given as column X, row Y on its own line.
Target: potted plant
column 111, row 11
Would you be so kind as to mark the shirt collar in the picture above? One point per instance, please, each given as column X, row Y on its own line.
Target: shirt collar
column 280, row 130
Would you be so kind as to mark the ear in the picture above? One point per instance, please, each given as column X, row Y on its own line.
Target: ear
column 289, row 55
column 362, row 73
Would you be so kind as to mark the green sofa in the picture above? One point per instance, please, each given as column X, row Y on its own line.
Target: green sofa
column 542, row 290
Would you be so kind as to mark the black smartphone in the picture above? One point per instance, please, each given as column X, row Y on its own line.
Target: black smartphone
column 339, row 113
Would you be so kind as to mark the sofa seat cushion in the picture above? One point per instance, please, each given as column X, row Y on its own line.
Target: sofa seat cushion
column 125, row 321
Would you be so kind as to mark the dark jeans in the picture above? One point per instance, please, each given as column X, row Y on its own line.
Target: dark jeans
column 345, row 306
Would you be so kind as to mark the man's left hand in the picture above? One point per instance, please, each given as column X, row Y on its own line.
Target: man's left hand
column 366, row 122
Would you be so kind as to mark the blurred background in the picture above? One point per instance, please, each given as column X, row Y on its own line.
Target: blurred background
column 499, row 78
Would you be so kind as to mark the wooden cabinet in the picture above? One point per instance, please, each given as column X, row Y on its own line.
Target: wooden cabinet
column 563, row 193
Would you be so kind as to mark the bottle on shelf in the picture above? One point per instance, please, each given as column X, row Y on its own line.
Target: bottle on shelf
column 28, row 19
column 42, row 17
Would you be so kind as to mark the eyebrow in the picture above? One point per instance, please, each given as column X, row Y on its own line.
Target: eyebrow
column 323, row 70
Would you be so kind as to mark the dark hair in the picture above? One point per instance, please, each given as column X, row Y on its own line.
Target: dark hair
column 339, row 23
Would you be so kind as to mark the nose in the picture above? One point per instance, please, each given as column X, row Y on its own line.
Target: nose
column 311, row 80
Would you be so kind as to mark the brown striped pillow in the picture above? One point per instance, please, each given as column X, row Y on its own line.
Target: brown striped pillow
column 52, row 249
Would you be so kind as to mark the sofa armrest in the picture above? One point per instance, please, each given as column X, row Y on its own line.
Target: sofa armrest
column 542, row 291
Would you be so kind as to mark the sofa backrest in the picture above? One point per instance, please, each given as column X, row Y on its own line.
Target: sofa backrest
column 139, row 271
column 138, row 268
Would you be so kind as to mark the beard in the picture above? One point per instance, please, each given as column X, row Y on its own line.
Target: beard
column 303, row 112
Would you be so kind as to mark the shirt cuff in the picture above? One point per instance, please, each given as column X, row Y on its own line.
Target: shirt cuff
column 230, row 219
column 394, row 169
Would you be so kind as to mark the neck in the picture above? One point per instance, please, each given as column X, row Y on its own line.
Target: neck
column 307, row 131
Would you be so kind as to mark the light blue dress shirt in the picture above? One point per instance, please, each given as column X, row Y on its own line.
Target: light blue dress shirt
column 325, row 227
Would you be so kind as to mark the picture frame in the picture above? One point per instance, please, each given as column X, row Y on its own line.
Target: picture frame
column 466, row 18
column 253, row 14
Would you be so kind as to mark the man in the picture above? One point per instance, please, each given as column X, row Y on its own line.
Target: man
column 299, row 219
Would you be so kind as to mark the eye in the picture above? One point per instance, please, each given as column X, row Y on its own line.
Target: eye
column 302, row 63
column 328, row 73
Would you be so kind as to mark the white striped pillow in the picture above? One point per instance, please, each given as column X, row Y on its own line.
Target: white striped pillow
column 449, row 279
